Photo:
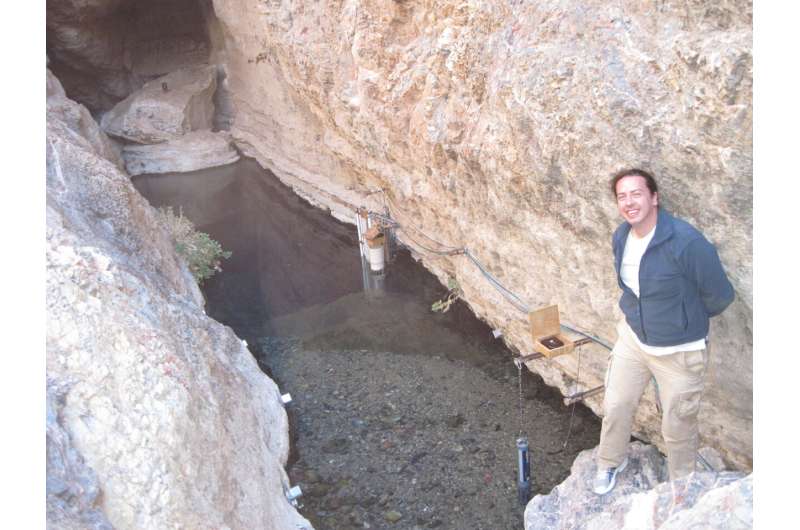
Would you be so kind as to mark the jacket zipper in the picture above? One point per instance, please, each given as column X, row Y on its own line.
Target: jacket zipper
column 639, row 298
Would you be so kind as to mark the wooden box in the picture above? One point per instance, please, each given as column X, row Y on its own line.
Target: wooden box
column 374, row 237
column 546, row 329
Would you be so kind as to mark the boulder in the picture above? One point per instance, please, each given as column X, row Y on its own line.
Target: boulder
column 158, row 416
column 642, row 499
column 166, row 107
column 190, row 152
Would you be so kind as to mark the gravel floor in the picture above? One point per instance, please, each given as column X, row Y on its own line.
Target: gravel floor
column 386, row 440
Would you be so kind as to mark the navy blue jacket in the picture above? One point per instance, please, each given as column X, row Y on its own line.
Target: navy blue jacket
column 681, row 284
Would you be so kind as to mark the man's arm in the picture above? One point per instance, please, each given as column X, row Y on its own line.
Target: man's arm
column 704, row 267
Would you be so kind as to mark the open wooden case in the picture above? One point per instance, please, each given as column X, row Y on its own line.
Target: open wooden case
column 374, row 237
column 546, row 330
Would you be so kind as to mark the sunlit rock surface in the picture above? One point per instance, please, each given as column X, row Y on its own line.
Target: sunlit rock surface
column 158, row 416
column 190, row 152
column 72, row 487
column 496, row 126
column 165, row 108
column 642, row 499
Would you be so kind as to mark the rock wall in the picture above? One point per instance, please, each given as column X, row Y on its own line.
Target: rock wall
column 495, row 125
column 158, row 416
column 491, row 125
column 641, row 499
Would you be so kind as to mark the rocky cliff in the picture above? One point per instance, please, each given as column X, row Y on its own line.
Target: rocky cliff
column 157, row 416
column 496, row 125
column 491, row 125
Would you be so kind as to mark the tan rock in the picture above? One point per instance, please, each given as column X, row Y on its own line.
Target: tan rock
column 158, row 416
column 495, row 126
column 190, row 152
column 165, row 108
column 643, row 499
column 79, row 120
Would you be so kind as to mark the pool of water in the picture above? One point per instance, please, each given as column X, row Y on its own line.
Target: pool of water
column 401, row 417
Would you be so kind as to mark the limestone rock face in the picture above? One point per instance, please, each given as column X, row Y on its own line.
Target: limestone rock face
column 80, row 121
column 72, row 488
column 496, row 126
column 641, row 500
column 166, row 419
column 165, row 108
column 192, row 151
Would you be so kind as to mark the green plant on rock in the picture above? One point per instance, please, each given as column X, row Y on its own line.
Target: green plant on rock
column 454, row 292
column 203, row 255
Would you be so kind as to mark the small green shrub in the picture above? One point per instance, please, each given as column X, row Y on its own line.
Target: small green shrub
column 203, row 254
column 454, row 291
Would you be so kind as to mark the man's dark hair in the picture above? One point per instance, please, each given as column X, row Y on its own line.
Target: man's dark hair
column 634, row 172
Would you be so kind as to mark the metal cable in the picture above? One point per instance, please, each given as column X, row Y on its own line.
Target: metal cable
column 453, row 252
column 588, row 336
column 400, row 210
column 510, row 296
column 384, row 219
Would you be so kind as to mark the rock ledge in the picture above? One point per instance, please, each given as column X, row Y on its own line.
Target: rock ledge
column 643, row 500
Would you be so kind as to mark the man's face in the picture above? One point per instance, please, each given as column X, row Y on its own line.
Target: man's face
column 636, row 203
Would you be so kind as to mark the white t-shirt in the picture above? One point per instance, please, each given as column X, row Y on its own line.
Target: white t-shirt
column 629, row 272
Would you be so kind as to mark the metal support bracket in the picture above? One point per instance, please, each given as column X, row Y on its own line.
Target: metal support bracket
column 580, row 396
column 533, row 356
column 568, row 400
column 519, row 361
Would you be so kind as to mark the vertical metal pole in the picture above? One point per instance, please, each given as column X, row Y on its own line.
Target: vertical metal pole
column 365, row 274
column 389, row 234
column 523, row 470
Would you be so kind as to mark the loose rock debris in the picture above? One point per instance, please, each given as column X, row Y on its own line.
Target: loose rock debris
column 386, row 440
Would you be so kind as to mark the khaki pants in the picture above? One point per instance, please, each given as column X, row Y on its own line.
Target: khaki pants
column 680, row 384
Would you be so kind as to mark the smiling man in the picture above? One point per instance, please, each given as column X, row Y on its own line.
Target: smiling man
column 672, row 282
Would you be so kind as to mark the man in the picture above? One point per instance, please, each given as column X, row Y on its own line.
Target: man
column 672, row 281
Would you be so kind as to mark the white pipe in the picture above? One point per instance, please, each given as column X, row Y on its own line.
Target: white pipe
column 376, row 260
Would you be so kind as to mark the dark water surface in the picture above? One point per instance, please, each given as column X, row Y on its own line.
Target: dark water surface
column 397, row 411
